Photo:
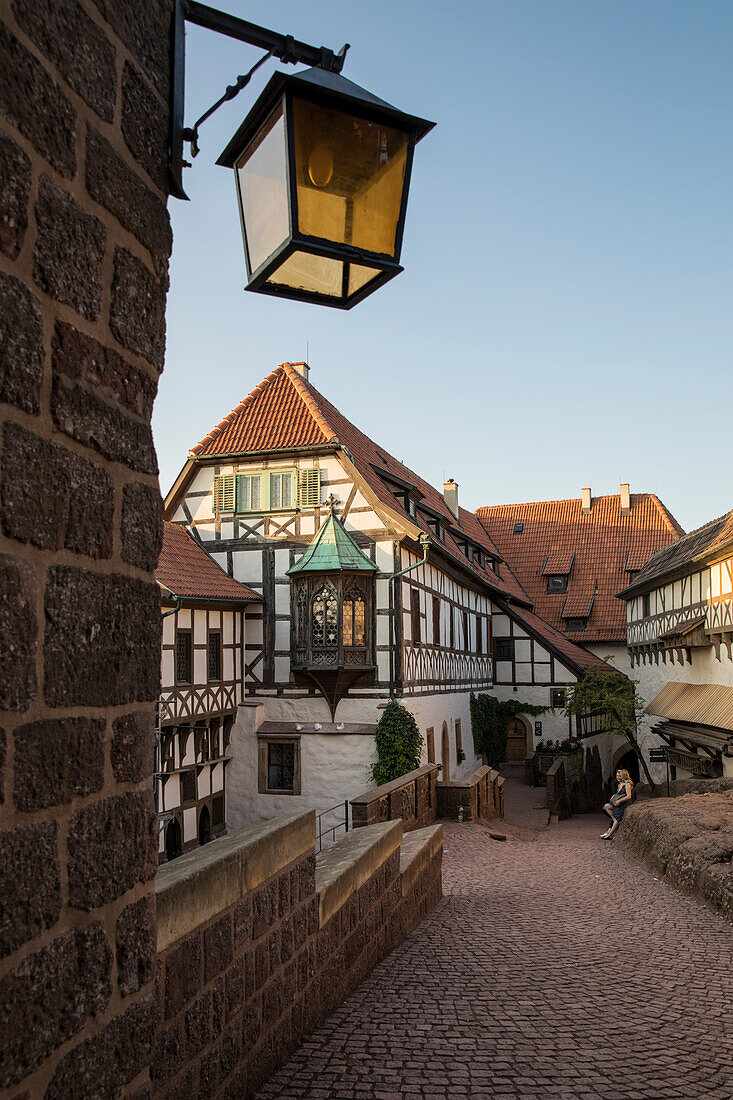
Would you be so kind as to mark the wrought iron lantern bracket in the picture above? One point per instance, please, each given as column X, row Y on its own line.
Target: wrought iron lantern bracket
column 284, row 47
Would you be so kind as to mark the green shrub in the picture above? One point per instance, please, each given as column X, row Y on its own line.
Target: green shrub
column 399, row 744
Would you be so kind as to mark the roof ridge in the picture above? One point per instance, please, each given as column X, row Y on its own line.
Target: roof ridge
column 667, row 516
column 303, row 390
column 563, row 500
column 243, row 404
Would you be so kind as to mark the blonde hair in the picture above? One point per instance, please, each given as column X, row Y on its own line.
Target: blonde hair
column 624, row 775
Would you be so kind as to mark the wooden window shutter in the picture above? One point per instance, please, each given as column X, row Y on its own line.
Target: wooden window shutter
column 224, row 493
column 310, row 488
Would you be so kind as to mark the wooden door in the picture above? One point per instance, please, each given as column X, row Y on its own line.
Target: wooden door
column 516, row 739
column 445, row 755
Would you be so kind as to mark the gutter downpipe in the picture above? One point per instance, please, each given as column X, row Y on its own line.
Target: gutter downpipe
column 425, row 543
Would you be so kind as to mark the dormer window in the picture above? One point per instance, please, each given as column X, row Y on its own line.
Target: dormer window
column 436, row 529
column 557, row 583
column 478, row 557
column 576, row 623
column 518, row 528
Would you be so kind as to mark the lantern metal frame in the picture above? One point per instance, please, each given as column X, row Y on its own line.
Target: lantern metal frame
column 284, row 47
column 333, row 91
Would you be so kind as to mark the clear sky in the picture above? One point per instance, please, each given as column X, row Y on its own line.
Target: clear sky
column 564, row 317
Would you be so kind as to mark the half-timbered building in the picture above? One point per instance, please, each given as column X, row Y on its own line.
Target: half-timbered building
column 679, row 622
column 202, row 684
column 373, row 583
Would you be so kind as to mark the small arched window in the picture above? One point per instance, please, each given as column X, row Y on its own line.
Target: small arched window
column 353, row 630
column 324, row 623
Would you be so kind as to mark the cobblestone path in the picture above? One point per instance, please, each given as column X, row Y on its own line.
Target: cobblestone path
column 551, row 969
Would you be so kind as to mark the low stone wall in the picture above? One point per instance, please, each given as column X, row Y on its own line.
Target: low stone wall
column 259, row 939
column 687, row 841
column 411, row 798
column 481, row 796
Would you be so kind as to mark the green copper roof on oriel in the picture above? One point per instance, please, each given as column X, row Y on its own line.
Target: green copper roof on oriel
column 332, row 550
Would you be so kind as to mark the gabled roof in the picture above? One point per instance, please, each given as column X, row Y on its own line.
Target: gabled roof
column 284, row 412
column 601, row 542
column 332, row 550
column 571, row 655
column 185, row 570
column 700, row 544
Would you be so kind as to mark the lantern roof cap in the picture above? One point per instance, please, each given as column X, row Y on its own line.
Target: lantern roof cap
column 332, row 88
column 333, row 550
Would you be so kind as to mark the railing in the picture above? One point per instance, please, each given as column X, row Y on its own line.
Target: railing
column 326, row 834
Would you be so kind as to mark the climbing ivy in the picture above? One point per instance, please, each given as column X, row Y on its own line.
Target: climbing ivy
column 489, row 717
column 399, row 744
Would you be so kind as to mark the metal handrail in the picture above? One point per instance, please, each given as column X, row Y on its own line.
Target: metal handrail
column 343, row 807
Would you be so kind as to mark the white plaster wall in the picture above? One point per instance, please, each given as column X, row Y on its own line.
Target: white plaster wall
column 434, row 710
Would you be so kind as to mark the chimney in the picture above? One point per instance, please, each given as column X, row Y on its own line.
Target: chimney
column 302, row 369
column 450, row 494
column 585, row 497
column 625, row 499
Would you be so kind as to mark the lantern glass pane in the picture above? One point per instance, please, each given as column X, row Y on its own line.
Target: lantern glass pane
column 263, row 187
column 322, row 275
column 350, row 176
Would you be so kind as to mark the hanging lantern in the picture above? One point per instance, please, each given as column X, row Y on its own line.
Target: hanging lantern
column 322, row 170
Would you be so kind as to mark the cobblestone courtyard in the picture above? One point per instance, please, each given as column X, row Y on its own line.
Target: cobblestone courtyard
column 552, row 968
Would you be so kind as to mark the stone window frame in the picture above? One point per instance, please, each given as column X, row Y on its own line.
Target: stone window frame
column 263, row 749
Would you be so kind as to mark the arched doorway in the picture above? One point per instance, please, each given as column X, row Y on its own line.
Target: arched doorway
column 173, row 840
column 516, row 739
column 204, row 825
column 628, row 762
column 445, row 755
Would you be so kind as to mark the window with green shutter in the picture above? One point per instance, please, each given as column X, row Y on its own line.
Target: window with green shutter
column 267, row 490
column 224, row 493
column 250, row 497
column 310, row 488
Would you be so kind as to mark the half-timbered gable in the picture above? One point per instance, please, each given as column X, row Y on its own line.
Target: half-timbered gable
column 679, row 612
column 293, row 500
column 202, row 685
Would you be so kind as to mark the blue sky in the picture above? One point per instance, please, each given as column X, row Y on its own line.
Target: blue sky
column 564, row 317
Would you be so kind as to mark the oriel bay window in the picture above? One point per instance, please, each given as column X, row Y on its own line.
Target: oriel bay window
column 332, row 641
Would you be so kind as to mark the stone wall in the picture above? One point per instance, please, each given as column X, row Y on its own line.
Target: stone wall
column 84, row 246
column 480, row 797
column 412, row 798
column 259, row 939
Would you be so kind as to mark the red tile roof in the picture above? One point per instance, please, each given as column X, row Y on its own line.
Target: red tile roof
column 600, row 543
column 186, row 570
column 578, row 604
column 558, row 564
column 285, row 412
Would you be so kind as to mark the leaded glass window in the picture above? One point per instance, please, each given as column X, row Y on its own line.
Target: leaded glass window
column 354, row 619
column 280, row 766
column 214, row 655
column 183, row 657
column 325, row 618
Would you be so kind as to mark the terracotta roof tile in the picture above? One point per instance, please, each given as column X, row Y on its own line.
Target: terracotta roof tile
column 600, row 541
column 563, row 646
column 186, row 570
column 578, row 603
column 285, row 412
column 558, row 564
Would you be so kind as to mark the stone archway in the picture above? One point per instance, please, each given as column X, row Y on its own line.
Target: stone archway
column 173, row 840
column 445, row 754
column 625, row 758
column 204, row 825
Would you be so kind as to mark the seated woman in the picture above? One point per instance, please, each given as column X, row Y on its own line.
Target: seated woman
column 617, row 806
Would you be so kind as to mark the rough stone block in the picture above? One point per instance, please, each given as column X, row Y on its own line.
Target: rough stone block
column 3, row 751
column 243, row 921
column 112, row 846
column 183, row 974
column 54, row 498
column 142, row 525
column 56, row 760
column 145, row 125
column 209, row 1074
column 101, row 400
column 76, row 45
column 264, row 908
column 132, row 746
column 121, row 191
column 15, row 182
column 21, row 346
column 31, row 100
column 102, row 643
column 49, row 996
column 137, row 308
column 197, row 1025
column 168, row 1054
column 146, row 30
column 235, row 986
column 18, row 634
column 69, row 250
column 136, row 945
column 218, row 947
column 30, row 898
column 102, row 1064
